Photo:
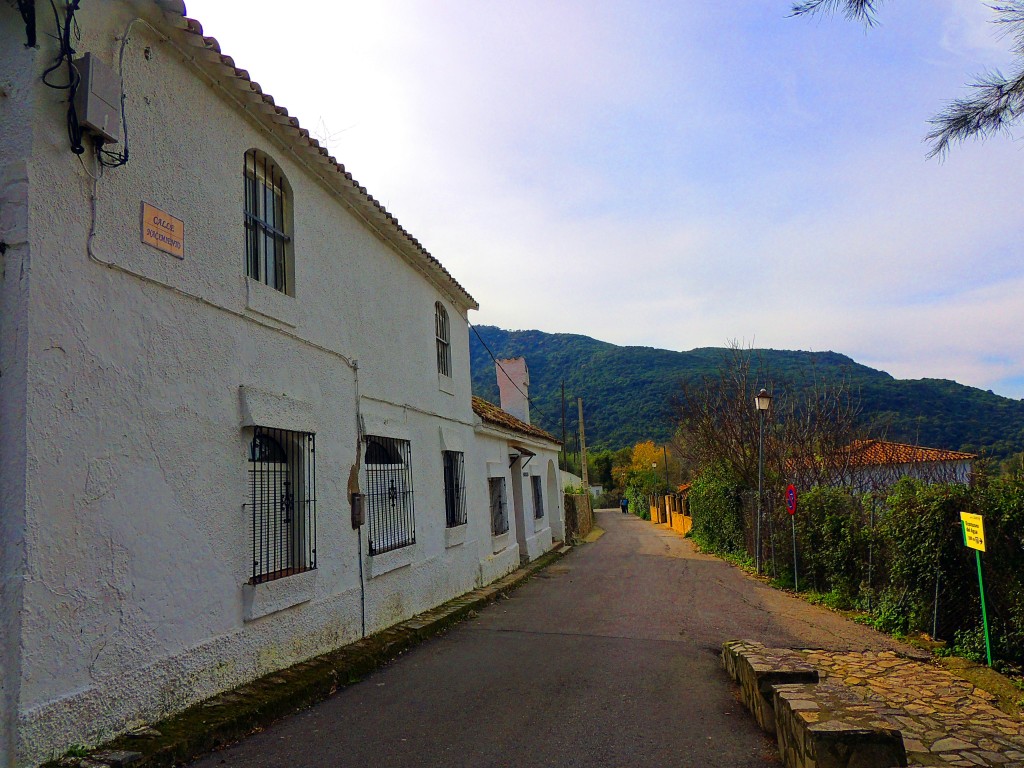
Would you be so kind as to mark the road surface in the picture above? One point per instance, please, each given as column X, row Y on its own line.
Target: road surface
column 609, row 657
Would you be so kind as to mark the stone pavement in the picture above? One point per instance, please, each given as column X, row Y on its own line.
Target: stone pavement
column 947, row 720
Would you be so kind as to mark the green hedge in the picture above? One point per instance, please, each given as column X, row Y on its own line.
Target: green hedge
column 910, row 568
column 834, row 543
column 717, row 511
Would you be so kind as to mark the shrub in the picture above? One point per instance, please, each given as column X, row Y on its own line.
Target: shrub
column 833, row 544
column 717, row 511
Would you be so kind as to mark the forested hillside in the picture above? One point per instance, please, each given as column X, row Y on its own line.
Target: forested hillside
column 627, row 391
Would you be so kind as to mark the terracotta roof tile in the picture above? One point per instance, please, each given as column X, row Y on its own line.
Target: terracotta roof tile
column 492, row 414
column 865, row 453
column 280, row 121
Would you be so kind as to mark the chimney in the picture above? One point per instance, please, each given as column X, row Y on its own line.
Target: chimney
column 514, row 385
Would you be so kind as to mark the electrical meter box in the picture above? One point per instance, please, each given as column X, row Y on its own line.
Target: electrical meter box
column 98, row 98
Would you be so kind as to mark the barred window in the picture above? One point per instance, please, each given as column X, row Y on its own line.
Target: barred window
column 499, row 506
column 441, row 330
column 538, row 497
column 389, row 494
column 267, row 232
column 282, row 485
column 454, row 489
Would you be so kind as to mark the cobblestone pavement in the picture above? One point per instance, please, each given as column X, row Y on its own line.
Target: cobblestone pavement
column 948, row 720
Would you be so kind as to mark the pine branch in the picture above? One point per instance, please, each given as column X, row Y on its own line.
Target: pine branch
column 854, row 10
column 995, row 105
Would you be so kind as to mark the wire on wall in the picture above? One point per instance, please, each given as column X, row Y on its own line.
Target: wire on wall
column 107, row 158
column 66, row 30
column 28, row 15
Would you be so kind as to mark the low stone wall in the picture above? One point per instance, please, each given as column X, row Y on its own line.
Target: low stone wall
column 579, row 516
column 829, row 726
column 757, row 669
column 818, row 725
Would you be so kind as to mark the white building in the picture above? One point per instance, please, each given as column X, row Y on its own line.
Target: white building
column 877, row 464
column 207, row 354
column 521, row 466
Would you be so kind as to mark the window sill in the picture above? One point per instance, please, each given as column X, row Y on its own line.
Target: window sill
column 446, row 383
column 453, row 537
column 499, row 543
column 269, row 302
column 385, row 562
column 269, row 597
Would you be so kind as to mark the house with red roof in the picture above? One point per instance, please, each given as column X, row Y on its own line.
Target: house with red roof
column 873, row 464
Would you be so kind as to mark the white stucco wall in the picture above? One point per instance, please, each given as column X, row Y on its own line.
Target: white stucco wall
column 869, row 478
column 123, row 472
column 16, row 81
column 529, row 537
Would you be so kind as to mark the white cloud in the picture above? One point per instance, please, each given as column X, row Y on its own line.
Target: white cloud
column 673, row 174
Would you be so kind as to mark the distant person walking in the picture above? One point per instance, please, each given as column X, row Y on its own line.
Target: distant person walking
column 624, row 505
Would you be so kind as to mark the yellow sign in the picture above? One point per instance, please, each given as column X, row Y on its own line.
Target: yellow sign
column 974, row 531
column 163, row 231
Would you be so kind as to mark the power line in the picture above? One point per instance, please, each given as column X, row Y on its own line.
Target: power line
column 529, row 399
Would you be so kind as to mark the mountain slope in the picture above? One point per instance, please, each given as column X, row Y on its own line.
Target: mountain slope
column 627, row 390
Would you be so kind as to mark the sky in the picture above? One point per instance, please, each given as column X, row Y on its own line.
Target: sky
column 676, row 173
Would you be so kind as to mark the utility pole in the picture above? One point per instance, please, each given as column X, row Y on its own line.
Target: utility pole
column 565, row 446
column 664, row 452
column 583, row 454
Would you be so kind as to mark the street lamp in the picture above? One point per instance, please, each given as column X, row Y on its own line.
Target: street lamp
column 654, row 471
column 762, row 401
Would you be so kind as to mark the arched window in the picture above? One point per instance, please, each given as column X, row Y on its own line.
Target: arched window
column 267, row 223
column 441, row 331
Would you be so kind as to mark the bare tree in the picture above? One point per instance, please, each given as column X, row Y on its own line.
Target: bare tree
column 812, row 421
column 996, row 101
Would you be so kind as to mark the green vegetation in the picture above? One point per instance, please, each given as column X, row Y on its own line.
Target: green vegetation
column 717, row 511
column 628, row 391
column 899, row 559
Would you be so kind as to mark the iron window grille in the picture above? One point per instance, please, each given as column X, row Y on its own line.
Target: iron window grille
column 499, row 506
column 266, row 236
column 282, row 485
column 454, row 489
column 538, row 497
column 389, row 494
column 441, row 331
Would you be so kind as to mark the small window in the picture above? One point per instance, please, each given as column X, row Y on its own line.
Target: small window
column 499, row 506
column 282, row 494
column 538, row 497
column 389, row 494
column 267, row 231
column 454, row 489
column 441, row 330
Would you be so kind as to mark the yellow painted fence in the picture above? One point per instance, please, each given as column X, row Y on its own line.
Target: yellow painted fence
column 671, row 510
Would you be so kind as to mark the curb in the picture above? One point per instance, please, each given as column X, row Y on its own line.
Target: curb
column 234, row 714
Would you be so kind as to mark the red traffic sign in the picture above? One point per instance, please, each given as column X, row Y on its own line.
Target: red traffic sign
column 791, row 499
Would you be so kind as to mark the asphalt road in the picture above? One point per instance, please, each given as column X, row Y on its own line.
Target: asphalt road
column 609, row 657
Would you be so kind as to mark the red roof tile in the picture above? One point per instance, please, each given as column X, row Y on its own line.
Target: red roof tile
column 492, row 414
column 865, row 453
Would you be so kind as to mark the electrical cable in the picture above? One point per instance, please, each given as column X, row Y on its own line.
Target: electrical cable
column 65, row 55
column 115, row 159
column 28, row 15
column 540, row 410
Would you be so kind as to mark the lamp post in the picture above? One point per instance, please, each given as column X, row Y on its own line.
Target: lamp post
column 763, row 401
column 650, row 499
